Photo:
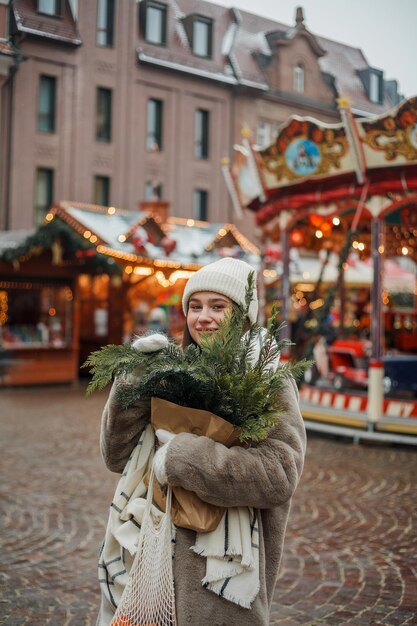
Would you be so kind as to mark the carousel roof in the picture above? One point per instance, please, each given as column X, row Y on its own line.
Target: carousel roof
column 306, row 269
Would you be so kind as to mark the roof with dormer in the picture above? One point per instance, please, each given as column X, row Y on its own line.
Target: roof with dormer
column 62, row 29
column 244, row 44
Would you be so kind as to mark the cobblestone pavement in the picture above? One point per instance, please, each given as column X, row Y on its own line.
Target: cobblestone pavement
column 351, row 543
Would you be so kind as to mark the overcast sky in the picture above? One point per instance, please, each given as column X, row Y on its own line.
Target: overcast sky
column 385, row 30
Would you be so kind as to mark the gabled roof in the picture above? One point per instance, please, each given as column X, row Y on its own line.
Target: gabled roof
column 62, row 29
column 113, row 231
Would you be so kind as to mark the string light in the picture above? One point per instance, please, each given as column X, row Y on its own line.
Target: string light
column 143, row 271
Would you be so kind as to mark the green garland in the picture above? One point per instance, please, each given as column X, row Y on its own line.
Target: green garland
column 57, row 230
column 216, row 376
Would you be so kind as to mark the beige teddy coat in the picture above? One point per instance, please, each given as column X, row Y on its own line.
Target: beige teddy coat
column 264, row 476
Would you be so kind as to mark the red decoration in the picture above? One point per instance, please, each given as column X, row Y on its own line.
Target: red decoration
column 297, row 237
column 272, row 254
column 168, row 244
column 85, row 254
column 138, row 243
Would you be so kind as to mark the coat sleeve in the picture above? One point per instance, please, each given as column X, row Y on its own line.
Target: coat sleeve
column 264, row 476
column 121, row 429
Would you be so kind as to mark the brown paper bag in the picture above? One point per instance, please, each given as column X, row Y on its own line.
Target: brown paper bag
column 187, row 510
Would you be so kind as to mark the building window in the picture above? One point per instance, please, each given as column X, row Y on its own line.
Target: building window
column 154, row 125
column 374, row 88
column 201, row 137
column 44, row 192
column 202, row 37
column 46, row 104
column 103, row 120
column 102, row 190
column 153, row 191
column 50, row 7
column 105, row 23
column 200, row 204
column 156, row 23
column 264, row 134
column 299, row 78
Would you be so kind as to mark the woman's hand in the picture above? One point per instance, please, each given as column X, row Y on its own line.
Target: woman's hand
column 159, row 460
column 150, row 343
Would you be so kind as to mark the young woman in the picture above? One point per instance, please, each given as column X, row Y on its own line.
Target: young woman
column 262, row 477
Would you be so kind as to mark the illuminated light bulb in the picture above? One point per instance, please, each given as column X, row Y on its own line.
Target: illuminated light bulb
column 87, row 234
column 49, row 217
column 93, row 239
column 319, row 234
column 111, row 210
column 121, row 238
column 404, row 251
column 336, row 221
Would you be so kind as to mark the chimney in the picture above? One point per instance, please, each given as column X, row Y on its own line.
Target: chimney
column 299, row 17
column 157, row 208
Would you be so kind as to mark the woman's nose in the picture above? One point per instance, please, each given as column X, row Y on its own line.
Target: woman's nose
column 204, row 315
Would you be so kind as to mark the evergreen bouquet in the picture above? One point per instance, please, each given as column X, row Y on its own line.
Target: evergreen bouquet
column 227, row 375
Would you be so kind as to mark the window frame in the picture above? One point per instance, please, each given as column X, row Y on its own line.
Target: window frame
column 108, row 30
column 202, row 208
column 209, row 23
column 50, row 115
column 299, row 83
column 102, row 178
column 202, row 134
column 153, row 191
column 57, row 14
column 163, row 8
column 104, row 128
column 154, row 136
column 375, row 87
column 40, row 210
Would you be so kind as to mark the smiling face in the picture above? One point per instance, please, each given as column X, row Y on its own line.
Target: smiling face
column 206, row 310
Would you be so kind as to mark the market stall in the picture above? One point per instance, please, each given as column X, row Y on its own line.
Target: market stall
column 94, row 275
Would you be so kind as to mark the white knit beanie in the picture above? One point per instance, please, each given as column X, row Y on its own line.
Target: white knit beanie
column 228, row 277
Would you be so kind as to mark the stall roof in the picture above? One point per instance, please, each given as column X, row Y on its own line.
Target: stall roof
column 10, row 239
column 125, row 233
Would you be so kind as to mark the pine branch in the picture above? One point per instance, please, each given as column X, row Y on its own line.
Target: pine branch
column 217, row 376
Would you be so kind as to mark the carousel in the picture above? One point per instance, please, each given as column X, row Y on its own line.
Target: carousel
column 337, row 208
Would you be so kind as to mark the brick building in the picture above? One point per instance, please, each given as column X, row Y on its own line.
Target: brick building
column 115, row 102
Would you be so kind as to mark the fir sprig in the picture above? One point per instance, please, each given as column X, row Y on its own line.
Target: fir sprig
column 221, row 375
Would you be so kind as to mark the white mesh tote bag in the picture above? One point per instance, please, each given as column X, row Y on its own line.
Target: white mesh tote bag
column 148, row 598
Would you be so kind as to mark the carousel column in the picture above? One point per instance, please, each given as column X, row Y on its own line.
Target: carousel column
column 285, row 279
column 376, row 366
